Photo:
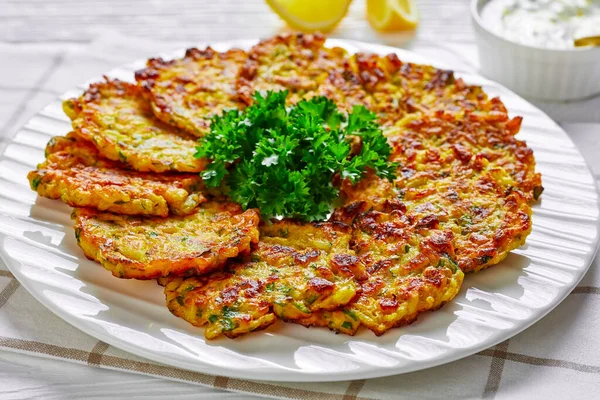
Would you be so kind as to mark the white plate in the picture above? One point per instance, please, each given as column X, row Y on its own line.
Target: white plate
column 38, row 245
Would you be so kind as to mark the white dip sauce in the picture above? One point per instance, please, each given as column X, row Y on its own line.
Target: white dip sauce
column 551, row 24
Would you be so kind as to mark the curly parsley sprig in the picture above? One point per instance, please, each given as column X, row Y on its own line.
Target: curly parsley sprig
column 282, row 159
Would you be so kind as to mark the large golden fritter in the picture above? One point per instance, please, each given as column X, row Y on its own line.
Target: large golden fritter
column 296, row 270
column 151, row 247
column 75, row 173
column 411, row 268
column 466, row 174
column 187, row 92
column 395, row 88
column 481, row 184
column 301, row 64
column 115, row 117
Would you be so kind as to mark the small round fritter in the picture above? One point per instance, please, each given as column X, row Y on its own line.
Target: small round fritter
column 118, row 120
column 301, row 64
column 411, row 269
column 188, row 92
column 75, row 173
column 150, row 247
column 295, row 270
column 394, row 88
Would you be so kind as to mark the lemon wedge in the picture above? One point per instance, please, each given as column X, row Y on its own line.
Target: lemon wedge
column 311, row 15
column 587, row 41
column 392, row 15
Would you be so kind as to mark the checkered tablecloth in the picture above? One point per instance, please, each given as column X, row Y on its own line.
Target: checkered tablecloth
column 559, row 357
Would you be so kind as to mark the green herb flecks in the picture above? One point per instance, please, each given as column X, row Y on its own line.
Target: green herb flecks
column 302, row 308
column 36, row 182
column 347, row 325
column 350, row 313
column 283, row 160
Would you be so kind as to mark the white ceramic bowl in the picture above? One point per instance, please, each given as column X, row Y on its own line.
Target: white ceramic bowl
column 546, row 74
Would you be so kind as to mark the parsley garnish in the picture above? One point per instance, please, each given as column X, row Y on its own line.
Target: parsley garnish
column 282, row 160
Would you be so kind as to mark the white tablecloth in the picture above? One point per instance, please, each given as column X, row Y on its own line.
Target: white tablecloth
column 46, row 47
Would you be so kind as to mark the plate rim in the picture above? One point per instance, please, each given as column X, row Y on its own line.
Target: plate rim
column 294, row 375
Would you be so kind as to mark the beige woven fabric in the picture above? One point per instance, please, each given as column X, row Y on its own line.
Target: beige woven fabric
column 559, row 357
column 547, row 358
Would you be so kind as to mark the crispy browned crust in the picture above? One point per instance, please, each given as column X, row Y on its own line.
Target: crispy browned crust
column 75, row 173
column 411, row 267
column 148, row 248
column 295, row 270
column 115, row 117
column 187, row 92
column 301, row 64
column 468, row 174
column 290, row 278
column 395, row 88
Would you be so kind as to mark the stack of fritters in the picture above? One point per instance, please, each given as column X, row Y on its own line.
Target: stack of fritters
column 391, row 250
column 146, row 213
column 75, row 172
